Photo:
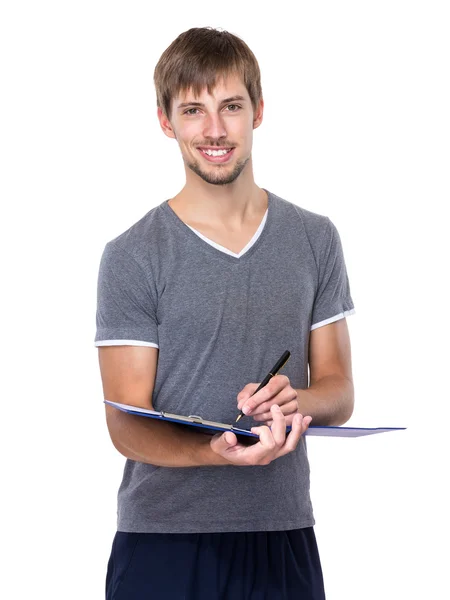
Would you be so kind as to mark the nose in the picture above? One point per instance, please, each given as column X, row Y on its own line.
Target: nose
column 214, row 127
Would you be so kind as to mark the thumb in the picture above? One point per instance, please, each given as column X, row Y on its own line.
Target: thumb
column 230, row 438
column 223, row 441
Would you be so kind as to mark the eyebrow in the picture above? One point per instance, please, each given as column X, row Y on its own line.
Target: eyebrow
column 232, row 99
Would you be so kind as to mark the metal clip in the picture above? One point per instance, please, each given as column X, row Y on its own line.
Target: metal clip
column 196, row 418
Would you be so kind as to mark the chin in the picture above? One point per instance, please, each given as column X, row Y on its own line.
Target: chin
column 223, row 176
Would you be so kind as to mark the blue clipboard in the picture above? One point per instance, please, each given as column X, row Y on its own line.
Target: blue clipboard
column 213, row 427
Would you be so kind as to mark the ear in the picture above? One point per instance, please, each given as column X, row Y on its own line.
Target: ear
column 257, row 119
column 165, row 124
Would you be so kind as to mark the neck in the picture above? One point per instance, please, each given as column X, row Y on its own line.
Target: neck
column 231, row 205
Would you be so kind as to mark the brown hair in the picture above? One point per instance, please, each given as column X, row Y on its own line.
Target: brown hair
column 199, row 57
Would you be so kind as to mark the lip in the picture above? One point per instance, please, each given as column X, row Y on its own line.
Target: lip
column 216, row 159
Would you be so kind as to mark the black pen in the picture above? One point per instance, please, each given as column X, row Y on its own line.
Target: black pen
column 278, row 365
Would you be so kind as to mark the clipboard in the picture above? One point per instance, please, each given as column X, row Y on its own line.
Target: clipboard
column 213, row 427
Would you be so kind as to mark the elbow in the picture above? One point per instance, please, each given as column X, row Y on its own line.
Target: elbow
column 122, row 449
column 113, row 424
column 347, row 405
column 345, row 415
column 115, row 442
column 118, row 446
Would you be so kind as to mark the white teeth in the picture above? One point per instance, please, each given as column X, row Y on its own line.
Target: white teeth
column 216, row 152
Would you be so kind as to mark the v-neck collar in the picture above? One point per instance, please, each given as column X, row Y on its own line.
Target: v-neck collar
column 213, row 248
column 227, row 250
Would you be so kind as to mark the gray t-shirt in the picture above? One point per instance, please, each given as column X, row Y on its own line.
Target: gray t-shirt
column 220, row 321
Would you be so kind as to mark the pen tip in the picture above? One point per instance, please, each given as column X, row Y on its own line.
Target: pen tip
column 238, row 418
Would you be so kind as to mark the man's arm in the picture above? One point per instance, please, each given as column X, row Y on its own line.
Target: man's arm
column 128, row 376
column 330, row 397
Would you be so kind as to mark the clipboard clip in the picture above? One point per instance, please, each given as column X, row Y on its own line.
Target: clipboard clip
column 196, row 418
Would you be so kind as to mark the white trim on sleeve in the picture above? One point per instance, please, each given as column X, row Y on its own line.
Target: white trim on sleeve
column 125, row 343
column 341, row 315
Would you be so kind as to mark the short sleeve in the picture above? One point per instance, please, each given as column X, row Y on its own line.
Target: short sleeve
column 333, row 300
column 126, row 302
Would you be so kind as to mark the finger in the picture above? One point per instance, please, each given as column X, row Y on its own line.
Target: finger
column 289, row 420
column 293, row 437
column 287, row 396
column 264, row 451
column 299, row 425
column 290, row 408
column 278, row 427
column 265, row 438
column 222, row 441
column 246, row 392
column 272, row 389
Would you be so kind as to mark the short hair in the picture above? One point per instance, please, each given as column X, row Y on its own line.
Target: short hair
column 198, row 58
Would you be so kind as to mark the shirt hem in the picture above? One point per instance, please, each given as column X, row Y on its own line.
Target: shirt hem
column 233, row 526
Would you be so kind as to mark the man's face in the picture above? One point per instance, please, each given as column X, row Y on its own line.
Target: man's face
column 211, row 124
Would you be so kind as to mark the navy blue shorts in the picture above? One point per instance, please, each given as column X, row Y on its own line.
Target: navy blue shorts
column 261, row 565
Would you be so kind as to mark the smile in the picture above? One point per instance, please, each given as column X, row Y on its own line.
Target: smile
column 217, row 156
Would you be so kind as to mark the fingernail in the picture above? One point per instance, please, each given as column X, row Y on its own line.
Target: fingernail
column 246, row 410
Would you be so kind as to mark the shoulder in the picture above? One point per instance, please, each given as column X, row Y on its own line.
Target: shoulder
column 137, row 241
column 314, row 225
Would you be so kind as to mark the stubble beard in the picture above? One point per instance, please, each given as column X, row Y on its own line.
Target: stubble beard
column 219, row 175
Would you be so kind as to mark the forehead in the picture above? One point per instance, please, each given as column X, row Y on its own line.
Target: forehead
column 225, row 86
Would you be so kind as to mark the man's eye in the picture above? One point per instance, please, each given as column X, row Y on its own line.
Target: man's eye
column 235, row 106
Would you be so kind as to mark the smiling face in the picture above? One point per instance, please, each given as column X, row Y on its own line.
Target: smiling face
column 214, row 132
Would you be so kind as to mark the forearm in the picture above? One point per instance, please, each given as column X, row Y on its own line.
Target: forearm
column 160, row 443
column 328, row 401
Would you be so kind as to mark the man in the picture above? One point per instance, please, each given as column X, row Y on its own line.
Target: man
column 196, row 302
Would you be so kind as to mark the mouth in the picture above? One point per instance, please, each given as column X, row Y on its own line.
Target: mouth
column 221, row 158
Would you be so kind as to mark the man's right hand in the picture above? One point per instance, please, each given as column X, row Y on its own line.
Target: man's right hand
column 272, row 444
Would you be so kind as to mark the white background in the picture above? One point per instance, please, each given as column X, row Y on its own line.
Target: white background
column 357, row 128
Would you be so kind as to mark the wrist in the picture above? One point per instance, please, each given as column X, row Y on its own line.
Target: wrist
column 208, row 456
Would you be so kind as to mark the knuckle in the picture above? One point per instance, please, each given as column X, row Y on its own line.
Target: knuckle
column 270, row 389
column 272, row 444
column 293, row 408
column 266, row 407
column 284, row 379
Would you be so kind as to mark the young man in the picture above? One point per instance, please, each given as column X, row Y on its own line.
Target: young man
column 196, row 302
